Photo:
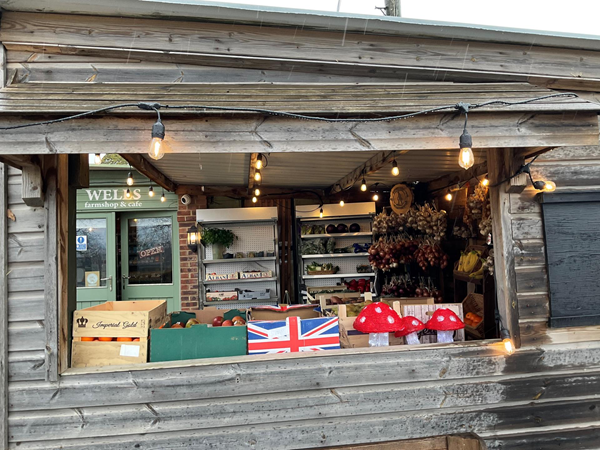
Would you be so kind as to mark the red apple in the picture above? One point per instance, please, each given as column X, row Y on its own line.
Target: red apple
column 218, row 321
column 227, row 323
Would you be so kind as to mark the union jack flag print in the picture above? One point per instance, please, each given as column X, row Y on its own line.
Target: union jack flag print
column 293, row 335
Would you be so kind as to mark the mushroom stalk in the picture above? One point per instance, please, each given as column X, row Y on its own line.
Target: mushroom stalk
column 412, row 338
column 379, row 339
column 445, row 337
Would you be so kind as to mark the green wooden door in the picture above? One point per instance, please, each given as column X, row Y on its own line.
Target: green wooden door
column 96, row 260
column 150, row 257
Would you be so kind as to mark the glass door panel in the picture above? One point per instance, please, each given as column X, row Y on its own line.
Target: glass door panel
column 95, row 259
column 150, row 257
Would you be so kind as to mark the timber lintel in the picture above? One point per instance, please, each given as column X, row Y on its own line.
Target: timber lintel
column 146, row 168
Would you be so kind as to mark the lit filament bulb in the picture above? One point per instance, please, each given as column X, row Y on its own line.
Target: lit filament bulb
column 259, row 163
column 375, row 197
column 254, row 199
column 151, row 191
column 130, row 179
column 163, row 198
column 448, row 196
column 257, row 176
column 363, row 186
column 342, row 203
column 395, row 170
column 158, row 147
column 485, row 182
column 549, row 186
column 128, row 193
column 257, row 192
column 321, row 213
column 466, row 158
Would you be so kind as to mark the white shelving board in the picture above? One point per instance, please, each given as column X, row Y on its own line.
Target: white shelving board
column 242, row 304
column 336, row 255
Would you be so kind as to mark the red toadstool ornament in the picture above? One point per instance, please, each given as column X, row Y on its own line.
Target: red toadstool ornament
column 378, row 319
column 445, row 322
column 412, row 326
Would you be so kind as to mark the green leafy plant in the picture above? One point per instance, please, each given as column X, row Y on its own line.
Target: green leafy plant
column 218, row 236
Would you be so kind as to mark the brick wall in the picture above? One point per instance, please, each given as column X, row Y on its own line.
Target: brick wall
column 186, row 217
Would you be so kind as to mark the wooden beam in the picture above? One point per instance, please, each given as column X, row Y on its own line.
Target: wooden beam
column 244, row 192
column 526, row 153
column 217, row 134
column 145, row 167
column 252, row 170
column 371, row 165
column 19, row 161
column 51, row 316
column 3, row 64
column 460, row 176
column 501, row 164
column 33, row 186
column 3, row 306
column 247, row 41
column 80, row 172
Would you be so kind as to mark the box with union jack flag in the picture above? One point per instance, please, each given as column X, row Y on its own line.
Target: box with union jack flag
column 293, row 335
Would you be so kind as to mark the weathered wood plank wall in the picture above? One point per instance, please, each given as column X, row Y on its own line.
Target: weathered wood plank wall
column 573, row 169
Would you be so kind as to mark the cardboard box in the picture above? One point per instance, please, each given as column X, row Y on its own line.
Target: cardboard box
column 255, row 295
column 221, row 276
column 198, row 341
column 253, row 275
column 282, row 312
column 120, row 319
column 221, row 296
column 351, row 338
column 293, row 334
column 424, row 313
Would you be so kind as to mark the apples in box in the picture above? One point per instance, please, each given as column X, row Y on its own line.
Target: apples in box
column 199, row 341
column 221, row 296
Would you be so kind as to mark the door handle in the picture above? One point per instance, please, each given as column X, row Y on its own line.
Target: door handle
column 109, row 279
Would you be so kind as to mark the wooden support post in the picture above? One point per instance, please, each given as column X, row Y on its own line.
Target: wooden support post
column 3, row 79
column 51, row 274
column 252, row 171
column 80, row 172
column 517, row 184
column 3, row 307
column 501, row 164
column 393, row 8
column 32, row 187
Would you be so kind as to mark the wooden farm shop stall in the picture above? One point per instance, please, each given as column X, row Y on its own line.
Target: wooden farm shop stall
column 250, row 228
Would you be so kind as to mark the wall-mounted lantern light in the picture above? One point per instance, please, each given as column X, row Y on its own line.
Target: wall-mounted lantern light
column 193, row 238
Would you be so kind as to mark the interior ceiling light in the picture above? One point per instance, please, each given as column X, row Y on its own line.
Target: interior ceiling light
column 321, row 213
column 259, row 162
column 485, row 182
column 130, row 179
column 342, row 203
column 448, row 196
column 395, row 170
column 257, row 192
column 162, row 197
column 254, row 199
column 257, row 176
column 128, row 193
column 375, row 197
column 465, row 157
column 151, row 191
column 363, row 185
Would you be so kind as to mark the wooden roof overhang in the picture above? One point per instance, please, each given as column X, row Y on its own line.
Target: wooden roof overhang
column 531, row 126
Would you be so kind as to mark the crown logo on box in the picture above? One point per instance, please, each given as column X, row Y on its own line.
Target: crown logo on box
column 82, row 322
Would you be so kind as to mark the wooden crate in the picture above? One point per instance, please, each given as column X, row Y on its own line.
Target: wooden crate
column 120, row 319
column 473, row 303
column 409, row 301
column 424, row 313
column 350, row 338
column 98, row 353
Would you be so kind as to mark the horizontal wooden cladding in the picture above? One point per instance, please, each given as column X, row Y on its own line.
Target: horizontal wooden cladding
column 26, row 336
column 26, row 365
column 581, row 153
column 529, row 252
column 276, row 134
column 532, row 279
column 322, row 98
column 26, row 219
column 317, row 432
column 575, row 437
column 420, row 401
column 237, row 41
column 533, row 306
column 218, row 381
column 527, row 227
column 567, row 175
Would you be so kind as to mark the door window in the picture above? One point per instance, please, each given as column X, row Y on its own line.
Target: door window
column 150, row 250
column 91, row 253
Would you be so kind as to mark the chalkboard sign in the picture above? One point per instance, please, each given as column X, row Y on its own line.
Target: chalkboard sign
column 573, row 254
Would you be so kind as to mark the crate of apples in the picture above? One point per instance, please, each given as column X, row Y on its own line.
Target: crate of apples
column 237, row 321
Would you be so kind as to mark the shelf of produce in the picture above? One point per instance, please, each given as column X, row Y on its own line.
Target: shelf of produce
column 336, row 255
column 334, row 235
column 238, row 260
column 339, row 275
column 234, row 303
column 235, row 281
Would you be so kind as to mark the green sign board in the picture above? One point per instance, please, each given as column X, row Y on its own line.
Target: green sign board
column 115, row 199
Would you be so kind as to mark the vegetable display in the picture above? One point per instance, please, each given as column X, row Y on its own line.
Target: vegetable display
column 425, row 220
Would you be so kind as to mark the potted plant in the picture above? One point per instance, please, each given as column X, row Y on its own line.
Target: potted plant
column 219, row 238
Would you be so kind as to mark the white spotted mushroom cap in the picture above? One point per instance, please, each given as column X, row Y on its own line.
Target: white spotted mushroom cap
column 444, row 320
column 412, row 325
column 378, row 317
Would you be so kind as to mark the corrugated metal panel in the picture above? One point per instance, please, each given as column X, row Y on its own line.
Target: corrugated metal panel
column 307, row 170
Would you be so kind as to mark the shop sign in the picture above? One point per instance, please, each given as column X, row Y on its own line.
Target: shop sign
column 92, row 279
column 81, row 245
column 114, row 199
column 151, row 251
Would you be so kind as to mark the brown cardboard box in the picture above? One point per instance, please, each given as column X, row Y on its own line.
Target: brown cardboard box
column 270, row 313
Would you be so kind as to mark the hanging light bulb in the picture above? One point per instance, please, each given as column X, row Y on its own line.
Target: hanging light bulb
column 158, row 147
column 549, row 186
column 162, row 197
column 321, row 213
column 151, row 191
column 342, row 203
column 485, row 182
column 257, row 192
column 97, row 159
column 448, row 196
column 395, row 170
column 363, row 186
column 257, row 176
column 259, row 162
column 509, row 346
column 130, row 179
column 254, row 199
column 465, row 158
column 375, row 197
column 128, row 193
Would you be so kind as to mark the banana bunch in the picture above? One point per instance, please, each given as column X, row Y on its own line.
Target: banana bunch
column 478, row 274
column 468, row 261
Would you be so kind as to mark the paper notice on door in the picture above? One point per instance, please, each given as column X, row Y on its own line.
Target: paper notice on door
column 130, row 350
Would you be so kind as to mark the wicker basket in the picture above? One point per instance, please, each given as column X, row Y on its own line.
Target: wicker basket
column 321, row 272
column 473, row 303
